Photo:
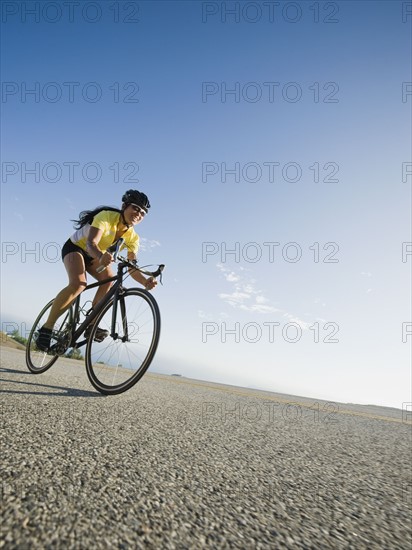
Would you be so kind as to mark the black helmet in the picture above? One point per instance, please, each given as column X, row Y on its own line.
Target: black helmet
column 135, row 197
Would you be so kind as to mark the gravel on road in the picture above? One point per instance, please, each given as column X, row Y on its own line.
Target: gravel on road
column 177, row 463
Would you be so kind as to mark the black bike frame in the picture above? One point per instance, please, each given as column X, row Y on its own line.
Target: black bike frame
column 114, row 291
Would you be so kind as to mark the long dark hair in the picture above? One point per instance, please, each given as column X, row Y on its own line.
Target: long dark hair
column 87, row 215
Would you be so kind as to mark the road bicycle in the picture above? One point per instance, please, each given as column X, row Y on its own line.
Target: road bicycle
column 130, row 315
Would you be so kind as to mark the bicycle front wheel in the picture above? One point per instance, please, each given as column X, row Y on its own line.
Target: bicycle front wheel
column 119, row 361
column 39, row 361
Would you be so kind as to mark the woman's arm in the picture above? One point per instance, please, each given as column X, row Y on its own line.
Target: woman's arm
column 147, row 282
column 92, row 247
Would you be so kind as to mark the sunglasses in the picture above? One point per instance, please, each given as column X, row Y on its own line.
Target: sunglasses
column 138, row 210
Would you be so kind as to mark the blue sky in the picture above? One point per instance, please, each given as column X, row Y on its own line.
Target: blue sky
column 337, row 112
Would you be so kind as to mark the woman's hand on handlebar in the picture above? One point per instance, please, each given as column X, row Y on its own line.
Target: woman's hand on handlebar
column 105, row 259
column 150, row 283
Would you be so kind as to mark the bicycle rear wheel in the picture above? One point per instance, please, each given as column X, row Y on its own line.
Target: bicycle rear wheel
column 121, row 359
column 39, row 361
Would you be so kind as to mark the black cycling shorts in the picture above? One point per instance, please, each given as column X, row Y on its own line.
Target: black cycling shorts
column 69, row 246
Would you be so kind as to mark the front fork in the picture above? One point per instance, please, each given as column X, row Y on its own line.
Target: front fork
column 119, row 298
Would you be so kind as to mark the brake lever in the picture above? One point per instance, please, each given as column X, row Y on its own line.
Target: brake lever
column 158, row 273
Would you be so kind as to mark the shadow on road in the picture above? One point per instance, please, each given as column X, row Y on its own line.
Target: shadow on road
column 65, row 391
column 3, row 369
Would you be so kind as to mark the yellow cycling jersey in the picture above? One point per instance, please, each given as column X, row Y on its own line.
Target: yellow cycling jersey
column 108, row 222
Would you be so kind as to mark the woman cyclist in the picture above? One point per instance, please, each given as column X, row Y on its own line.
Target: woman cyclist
column 86, row 251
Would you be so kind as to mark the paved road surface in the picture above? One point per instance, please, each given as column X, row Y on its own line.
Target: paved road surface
column 177, row 463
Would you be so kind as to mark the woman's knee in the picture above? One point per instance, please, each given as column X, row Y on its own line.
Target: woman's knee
column 76, row 287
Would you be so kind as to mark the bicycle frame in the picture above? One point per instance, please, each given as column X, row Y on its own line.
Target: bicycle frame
column 114, row 291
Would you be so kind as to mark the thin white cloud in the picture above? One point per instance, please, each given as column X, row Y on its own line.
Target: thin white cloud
column 222, row 268
column 303, row 324
column 235, row 297
column 244, row 292
column 148, row 244
column 210, row 316
column 203, row 315
column 259, row 308
column 246, row 297
column 249, row 289
column 228, row 274
column 294, row 319
column 231, row 277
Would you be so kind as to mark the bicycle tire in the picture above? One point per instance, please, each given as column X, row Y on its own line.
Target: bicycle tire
column 35, row 358
column 118, row 362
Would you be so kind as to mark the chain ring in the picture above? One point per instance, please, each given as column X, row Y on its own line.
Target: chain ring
column 63, row 343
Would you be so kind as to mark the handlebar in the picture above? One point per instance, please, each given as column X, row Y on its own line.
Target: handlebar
column 130, row 263
column 133, row 265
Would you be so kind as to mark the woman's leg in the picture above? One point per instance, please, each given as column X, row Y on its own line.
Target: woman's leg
column 100, row 334
column 74, row 264
column 103, row 289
